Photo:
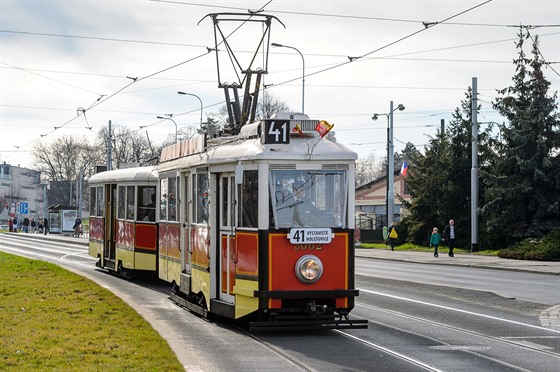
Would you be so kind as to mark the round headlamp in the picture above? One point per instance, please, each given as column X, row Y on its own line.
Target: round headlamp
column 309, row 269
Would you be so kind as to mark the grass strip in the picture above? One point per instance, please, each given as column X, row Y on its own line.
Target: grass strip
column 52, row 319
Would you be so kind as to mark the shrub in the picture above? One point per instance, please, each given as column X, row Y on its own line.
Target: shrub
column 545, row 249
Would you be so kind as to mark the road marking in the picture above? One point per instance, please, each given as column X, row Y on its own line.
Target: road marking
column 458, row 310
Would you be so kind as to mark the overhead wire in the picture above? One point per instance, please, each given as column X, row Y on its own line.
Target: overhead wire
column 426, row 27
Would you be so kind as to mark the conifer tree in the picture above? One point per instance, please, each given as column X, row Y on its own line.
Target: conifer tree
column 522, row 198
column 439, row 180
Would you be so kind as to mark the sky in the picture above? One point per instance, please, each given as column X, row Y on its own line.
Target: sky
column 70, row 67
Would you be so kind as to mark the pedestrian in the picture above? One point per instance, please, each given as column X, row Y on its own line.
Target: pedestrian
column 15, row 223
column 26, row 225
column 45, row 226
column 449, row 235
column 435, row 239
column 10, row 225
column 393, row 235
column 33, row 225
column 77, row 227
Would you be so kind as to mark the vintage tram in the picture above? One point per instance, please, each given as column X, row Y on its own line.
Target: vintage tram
column 255, row 226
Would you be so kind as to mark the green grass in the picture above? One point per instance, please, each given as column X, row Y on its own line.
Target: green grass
column 55, row 320
column 419, row 248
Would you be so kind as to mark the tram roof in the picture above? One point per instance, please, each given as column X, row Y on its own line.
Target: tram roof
column 249, row 147
column 136, row 174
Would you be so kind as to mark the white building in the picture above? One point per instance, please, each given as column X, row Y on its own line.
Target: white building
column 21, row 193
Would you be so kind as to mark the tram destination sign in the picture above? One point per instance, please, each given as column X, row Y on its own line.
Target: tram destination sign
column 310, row 236
column 276, row 132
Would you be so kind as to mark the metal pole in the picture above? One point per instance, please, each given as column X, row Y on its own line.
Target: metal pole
column 391, row 167
column 387, row 178
column 80, row 196
column 201, row 105
column 164, row 118
column 302, row 77
column 474, row 169
column 109, row 149
column 45, row 201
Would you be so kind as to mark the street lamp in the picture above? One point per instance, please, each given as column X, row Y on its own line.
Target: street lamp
column 302, row 76
column 201, row 106
column 390, row 201
column 169, row 118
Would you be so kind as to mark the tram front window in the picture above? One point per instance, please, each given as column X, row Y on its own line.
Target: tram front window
column 308, row 198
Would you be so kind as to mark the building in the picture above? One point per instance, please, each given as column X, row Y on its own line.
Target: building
column 371, row 205
column 21, row 193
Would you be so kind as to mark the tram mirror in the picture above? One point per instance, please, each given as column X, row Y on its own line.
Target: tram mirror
column 239, row 173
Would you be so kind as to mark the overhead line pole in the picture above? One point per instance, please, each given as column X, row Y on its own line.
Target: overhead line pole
column 474, row 169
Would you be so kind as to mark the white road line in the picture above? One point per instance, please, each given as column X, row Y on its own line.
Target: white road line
column 388, row 351
column 458, row 310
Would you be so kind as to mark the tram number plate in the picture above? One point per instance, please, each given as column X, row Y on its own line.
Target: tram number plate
column 310, row 236
column 276, row 131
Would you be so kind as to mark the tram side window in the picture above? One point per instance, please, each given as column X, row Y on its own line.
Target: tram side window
column 202, row 197
column 100, row 202
column 146, row 204
column 121, row 200
column 130, row 202
column 249, row 199
column 172, row 192
column 92, row 194
column 163, row 200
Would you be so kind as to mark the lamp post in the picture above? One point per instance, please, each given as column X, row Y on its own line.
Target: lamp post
column 390, row 199
column 169, row 118
column 302, row 76
column 201, row 106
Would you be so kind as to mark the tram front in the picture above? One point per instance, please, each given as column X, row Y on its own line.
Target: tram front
column 307, row 258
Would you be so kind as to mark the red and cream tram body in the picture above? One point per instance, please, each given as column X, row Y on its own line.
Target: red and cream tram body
column 256, row 226
column 123, row 228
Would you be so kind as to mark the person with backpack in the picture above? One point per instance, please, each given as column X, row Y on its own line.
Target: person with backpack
column 393, row 235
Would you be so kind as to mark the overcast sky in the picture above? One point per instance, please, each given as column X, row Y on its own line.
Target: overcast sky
column 58, row 58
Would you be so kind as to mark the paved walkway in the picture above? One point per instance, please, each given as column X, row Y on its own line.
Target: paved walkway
column 463, row 259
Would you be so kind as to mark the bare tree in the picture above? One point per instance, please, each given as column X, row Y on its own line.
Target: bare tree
column 270, row 105
column 61, row 162
column 367, row 170
column 267, row 106
column 128, row 146
column 62, row 159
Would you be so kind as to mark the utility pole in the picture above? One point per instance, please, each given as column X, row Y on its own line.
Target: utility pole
column 80, row 196
column 391, row 167
column 474, row 169
column 109, row 148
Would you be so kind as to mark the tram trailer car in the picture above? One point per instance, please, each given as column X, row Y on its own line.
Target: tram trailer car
column 259, row 226
column 123, row 229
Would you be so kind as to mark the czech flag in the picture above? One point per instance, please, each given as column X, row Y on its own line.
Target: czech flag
column 323, row 128
column 404, row 169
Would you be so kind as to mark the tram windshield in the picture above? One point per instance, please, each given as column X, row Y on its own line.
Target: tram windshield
column 308, row 198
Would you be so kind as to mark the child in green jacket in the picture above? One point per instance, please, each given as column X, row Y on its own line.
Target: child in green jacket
column 435, row 239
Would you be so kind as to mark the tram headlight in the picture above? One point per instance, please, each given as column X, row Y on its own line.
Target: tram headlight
column 309, row 269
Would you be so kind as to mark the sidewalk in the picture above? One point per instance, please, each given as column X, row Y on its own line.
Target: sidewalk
column 463, row 259
column 460, row 259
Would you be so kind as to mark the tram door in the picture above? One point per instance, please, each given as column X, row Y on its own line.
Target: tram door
column 228, row 248
column 185, row 244
column 110, row 225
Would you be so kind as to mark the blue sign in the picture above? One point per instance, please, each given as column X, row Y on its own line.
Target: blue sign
column 23, row 208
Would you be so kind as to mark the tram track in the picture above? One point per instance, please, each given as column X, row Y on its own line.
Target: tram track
column 465, row 331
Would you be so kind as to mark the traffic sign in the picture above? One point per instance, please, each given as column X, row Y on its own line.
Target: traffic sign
column 23, row 208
